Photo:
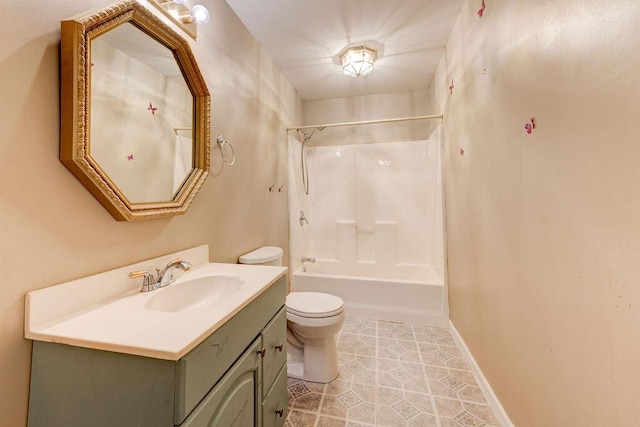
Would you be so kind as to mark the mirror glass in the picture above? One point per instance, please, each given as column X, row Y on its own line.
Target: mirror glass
column 135, row 112
column 141, row 115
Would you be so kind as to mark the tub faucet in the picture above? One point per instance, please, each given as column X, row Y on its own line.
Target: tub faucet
column 165, row 276
column 306, row 259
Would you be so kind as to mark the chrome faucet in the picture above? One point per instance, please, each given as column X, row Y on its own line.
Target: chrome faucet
column 164, row 277
column 306, row 259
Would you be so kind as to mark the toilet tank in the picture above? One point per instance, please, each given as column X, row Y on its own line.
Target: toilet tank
column 266, row 255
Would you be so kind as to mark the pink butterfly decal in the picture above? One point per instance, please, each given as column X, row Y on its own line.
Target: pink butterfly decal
column 152, row 108
column 451, row 86
column 529, row 127
column 130, row 157
column 462, row 151
column 481, row 11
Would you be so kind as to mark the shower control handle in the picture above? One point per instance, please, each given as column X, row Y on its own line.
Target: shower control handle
column 303, row 219
column 279, row 347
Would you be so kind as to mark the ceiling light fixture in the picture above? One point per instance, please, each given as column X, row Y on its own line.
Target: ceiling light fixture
column 358, row 61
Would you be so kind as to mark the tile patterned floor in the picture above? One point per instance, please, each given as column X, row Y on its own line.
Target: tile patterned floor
column 392, row 374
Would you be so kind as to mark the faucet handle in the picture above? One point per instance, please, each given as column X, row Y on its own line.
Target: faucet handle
column 148, row 282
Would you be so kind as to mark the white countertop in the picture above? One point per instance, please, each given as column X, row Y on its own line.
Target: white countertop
column 117, row 320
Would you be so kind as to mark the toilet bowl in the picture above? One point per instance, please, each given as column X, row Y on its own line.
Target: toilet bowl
column 313, row 320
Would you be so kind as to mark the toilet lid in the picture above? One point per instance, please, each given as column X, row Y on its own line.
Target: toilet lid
column 261, row 255
column 314, row 304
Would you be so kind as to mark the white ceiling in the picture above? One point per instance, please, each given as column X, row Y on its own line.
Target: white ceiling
column 304, row 37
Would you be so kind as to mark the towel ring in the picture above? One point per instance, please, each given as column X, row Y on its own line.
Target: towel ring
column 221, row 143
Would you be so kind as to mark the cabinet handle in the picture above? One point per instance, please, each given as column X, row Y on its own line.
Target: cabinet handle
column 280, row 347
column 280, row 412
column 262, row 352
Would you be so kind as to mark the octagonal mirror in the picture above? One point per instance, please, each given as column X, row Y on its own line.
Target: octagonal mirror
column 135, row 112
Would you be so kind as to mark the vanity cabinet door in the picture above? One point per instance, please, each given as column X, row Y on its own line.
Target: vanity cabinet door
column 233, row 402
column 274, row 407
column 202, row 368
column 274, row 340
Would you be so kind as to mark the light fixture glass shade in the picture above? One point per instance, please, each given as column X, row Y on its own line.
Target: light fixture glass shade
column 199, row 14
column 178, row 12
column 358, row 61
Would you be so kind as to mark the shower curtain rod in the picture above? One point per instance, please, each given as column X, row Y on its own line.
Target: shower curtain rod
column 176, row 130
column 367, row 122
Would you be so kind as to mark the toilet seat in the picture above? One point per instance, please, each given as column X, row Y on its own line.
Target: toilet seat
column 315, row 322
column 314, row 305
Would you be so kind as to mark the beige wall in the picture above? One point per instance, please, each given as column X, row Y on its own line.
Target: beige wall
column 544, row 229
column 53, row 230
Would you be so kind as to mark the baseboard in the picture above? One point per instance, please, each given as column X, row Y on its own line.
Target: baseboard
column 493, row 401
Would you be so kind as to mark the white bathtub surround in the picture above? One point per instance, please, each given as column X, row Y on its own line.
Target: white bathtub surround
column 346, row 242
column 375, row 227
column 357, row 189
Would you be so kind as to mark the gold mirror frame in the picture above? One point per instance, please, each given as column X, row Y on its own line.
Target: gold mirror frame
column 75, row 95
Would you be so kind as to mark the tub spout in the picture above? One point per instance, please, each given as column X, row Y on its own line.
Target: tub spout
column 305, row 259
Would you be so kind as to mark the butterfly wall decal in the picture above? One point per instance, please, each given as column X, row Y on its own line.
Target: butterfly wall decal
column 529, row 127
column 481, row 10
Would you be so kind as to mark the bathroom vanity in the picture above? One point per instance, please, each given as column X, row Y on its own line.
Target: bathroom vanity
column 196, row 360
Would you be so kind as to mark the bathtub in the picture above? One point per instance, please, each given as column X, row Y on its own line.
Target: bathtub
column 413, row 294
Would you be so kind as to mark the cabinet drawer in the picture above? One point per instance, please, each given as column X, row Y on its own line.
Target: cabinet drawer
column 274, row 406
column 233, row 401
column 200, row 369
column 274, row 340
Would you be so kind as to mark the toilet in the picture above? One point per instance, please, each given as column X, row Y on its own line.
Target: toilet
column 313, row 320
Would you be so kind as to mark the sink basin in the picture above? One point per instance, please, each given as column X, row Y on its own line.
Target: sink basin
column 193, row 293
